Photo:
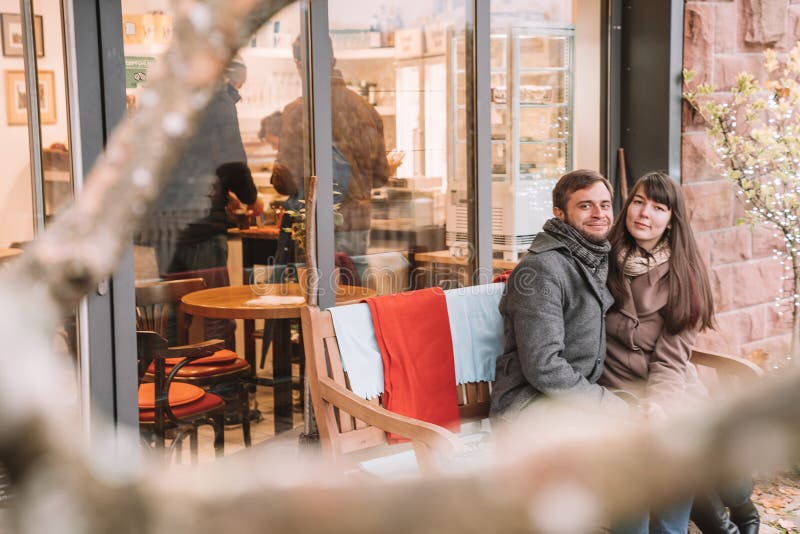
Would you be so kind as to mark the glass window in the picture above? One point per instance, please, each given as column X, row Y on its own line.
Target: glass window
column 532, row 49
column 27, row 199
column 398, row 104
column 234, row 204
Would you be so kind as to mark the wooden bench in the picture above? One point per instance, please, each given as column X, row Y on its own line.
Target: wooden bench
column 350, row 426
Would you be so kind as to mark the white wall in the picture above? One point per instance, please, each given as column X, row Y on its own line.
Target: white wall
column 15, row 182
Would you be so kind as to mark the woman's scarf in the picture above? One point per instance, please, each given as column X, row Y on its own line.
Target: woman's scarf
column 638, row 261
column 593, row 255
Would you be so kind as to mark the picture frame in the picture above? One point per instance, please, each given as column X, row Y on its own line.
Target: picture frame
column 11, row 25
column 17, row 98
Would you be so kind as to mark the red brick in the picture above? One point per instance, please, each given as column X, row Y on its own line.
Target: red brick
column 725, row 338
column 739, row 209
column 721, row 279
column 710, row 205
column 698, row 40
column 691, row 120
column 704, row 243
column 793, row 29
column 728, row 29
column 756, row 282
column 765, row 21
column 728, row 67
column 753, row 323
column 730, row 245
column 765, row 241
column 697, row 155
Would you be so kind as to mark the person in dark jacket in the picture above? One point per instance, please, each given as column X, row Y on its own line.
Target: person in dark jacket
column 186, row 197
column 203, row 244
column 555, row 303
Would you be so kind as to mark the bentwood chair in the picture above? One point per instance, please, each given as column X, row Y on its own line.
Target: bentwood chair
column 222, row 372
column 175, row 410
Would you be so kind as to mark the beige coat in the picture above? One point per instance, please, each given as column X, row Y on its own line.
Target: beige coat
column 642, row 357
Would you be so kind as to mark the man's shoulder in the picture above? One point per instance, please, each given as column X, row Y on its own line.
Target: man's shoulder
column 545, row 250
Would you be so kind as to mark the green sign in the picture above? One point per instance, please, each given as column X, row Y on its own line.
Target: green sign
column 136, row 70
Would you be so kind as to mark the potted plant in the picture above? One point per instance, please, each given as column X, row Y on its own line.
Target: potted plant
column 298, row 231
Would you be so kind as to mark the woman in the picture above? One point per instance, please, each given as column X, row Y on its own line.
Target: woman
column 662, row 300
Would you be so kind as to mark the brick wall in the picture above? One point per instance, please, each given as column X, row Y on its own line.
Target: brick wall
column 721, row 39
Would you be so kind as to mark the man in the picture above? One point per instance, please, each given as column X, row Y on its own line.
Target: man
column 358, row 143
column 555, row 303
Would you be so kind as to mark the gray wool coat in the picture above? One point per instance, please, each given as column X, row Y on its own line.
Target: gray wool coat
column 555, row 338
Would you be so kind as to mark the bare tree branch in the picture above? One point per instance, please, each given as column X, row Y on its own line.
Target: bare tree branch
column 559, row 474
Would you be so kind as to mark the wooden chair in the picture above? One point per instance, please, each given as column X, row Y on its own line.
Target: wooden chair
column 155, row 303
column 169, row 409
column 349, row 425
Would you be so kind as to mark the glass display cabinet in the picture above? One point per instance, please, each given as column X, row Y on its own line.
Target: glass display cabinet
column 531, row 131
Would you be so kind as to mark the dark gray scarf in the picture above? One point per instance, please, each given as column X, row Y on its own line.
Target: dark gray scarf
column 592, row 255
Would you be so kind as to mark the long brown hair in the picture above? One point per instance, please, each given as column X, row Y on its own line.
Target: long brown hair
column 690, row 302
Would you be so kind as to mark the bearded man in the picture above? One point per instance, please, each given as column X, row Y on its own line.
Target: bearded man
column 555, row 303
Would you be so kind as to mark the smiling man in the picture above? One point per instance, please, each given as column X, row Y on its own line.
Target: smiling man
column 555, row 303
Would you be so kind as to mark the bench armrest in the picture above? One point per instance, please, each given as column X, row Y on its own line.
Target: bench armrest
column 727, row 365
column 426, row 438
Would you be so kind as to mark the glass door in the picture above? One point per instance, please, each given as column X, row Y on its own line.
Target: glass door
column 36, row 147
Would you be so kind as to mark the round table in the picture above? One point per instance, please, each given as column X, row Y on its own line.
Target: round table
column 231, row 302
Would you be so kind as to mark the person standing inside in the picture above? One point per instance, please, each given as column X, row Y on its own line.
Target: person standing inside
column 358, row 143
column 554, row 305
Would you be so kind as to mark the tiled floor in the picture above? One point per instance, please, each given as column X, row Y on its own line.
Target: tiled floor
column 260, row 431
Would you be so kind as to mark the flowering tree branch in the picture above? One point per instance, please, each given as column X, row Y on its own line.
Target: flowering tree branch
column 756, row 133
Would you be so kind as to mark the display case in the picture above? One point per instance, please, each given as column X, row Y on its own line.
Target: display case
column 531, row 132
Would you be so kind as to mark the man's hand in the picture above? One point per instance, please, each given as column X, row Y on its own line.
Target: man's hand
column 394, row 158
column 257, row 207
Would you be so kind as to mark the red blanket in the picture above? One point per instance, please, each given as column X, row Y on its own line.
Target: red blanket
column 418, row 370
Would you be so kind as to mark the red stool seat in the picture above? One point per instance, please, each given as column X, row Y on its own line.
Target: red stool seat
column 206, row 403
column 205, row 371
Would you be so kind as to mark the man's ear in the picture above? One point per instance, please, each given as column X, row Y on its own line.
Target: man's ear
column 559, row 213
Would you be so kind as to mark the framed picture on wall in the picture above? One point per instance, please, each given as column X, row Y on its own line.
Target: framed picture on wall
column 11, row 24
column 17, row 97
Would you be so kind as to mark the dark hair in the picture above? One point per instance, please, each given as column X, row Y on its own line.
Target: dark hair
column 234, row 170
column 297, row 51
column 270, row 125
column 690, row 302
column 575, row 181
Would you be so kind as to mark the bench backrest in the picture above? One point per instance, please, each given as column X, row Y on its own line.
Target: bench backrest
column 342, row 433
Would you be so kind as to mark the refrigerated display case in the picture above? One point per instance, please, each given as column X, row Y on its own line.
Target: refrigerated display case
column 531, row 130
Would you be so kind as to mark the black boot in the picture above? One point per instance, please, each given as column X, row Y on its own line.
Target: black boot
column 710, row 515
column 746, row 517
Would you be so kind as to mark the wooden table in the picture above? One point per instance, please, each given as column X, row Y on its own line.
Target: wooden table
column 230, row 302
column 258, row 243
column 443, row 257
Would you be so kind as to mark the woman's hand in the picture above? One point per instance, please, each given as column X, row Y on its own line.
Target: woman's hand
column 653, row 412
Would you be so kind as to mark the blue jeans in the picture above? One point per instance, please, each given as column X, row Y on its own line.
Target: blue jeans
column 673, row 520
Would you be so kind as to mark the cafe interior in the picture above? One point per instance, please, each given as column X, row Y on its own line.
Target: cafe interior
column 222, row 254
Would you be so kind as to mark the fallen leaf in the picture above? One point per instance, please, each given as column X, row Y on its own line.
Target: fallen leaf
column 773, row 503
